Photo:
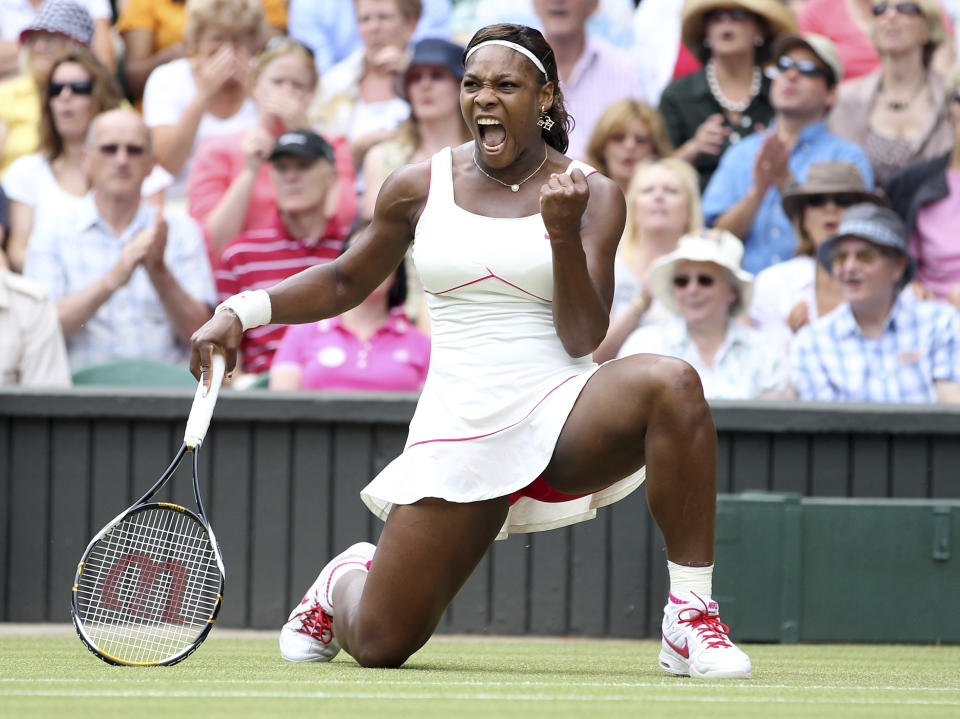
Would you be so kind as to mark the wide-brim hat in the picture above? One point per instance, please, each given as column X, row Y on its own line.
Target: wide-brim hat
column 819, row 45
column 828, row 178
column 778, row 16
column 433, row 51
column 877, row 225
column 62, row 17
column 720, row 247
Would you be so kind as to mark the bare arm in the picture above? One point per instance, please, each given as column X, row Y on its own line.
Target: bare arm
column 584, row 222
column 103, row 43
column 186, row 313
column 9, row 58
column 140, row 59
column 621, row 327
column 21, row 225
column 948, row 392
column 333, row 288
column 76, row 309
column 288, row 377
column 225, row 220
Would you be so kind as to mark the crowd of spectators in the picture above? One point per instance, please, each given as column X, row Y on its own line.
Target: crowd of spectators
column 791, row 173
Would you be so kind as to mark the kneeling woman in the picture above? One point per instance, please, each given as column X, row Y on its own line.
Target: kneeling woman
column 516, row 428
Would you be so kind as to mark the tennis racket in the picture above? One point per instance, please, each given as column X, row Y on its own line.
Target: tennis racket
column 149, row 585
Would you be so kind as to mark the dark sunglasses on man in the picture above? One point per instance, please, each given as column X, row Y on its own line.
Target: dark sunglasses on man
column 807, row 68
column 112, row 148
column 903, row 8
column 79, row 87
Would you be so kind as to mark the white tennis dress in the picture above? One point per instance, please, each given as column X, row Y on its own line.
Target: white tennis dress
column 500, row 384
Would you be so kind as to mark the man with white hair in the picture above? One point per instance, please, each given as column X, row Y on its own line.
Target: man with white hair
column 128, row 281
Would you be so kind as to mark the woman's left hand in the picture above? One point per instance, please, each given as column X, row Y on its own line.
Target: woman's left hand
column 563, row 200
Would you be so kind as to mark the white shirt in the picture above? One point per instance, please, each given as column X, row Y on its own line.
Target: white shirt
column 15, row 15
column 777, row 290
column 72, row 247
column 169, row 90
column 32, row 352
column 747, row 365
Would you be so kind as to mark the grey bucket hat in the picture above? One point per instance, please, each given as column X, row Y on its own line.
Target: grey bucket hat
column 877, row 225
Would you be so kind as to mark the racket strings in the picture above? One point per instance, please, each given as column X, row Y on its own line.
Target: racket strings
column 149, row 587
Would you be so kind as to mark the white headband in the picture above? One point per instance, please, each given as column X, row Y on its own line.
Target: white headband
column 513, row 46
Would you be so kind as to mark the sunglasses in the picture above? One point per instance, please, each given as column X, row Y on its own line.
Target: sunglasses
column 904, row 8
column 807, row 68
column 112, row 148
column 681, row 281
column 434, row 74
column 733, row 13
column 838, row 200
column 864, row 255
column 80, row 87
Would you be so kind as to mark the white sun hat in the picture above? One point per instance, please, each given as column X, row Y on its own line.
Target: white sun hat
column 720, row 247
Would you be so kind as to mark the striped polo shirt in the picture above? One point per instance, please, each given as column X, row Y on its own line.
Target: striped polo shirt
column 258, row 259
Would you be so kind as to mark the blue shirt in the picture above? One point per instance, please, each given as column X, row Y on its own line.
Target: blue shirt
column 329, row 27
column 831, row 359
column 770, row 239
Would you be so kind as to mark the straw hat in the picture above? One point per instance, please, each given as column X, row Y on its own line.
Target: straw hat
column 828, row 178
column 877, row 225
column 717, row 246
column 778, row 16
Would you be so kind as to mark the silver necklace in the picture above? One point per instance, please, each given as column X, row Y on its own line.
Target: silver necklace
column 722, row 100
column 515, row 187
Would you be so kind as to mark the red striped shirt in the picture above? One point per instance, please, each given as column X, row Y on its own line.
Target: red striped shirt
column 258, row 259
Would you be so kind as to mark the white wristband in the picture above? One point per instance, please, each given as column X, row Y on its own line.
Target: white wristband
column 252, row 308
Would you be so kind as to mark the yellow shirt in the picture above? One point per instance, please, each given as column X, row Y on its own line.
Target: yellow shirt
column 20, row 112
column 166, row 19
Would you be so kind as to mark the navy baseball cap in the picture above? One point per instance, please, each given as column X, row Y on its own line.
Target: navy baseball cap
column 302, row 143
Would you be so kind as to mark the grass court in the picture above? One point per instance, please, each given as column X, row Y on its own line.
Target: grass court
column 46, row 672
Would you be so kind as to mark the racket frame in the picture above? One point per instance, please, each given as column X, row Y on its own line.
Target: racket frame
column 197, row 424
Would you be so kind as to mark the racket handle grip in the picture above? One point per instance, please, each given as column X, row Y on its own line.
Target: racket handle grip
column 202, row 409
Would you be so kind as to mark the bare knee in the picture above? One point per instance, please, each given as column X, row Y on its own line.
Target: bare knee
column 382, row 646
column 676, row 388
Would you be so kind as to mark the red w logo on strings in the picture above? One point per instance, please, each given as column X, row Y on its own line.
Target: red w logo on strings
column 142, row 600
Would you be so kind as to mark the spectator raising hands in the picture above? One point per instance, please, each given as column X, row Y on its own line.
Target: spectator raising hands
column 229, row 189
column 205, row 93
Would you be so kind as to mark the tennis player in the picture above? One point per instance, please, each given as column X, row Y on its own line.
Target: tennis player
column 516, row 430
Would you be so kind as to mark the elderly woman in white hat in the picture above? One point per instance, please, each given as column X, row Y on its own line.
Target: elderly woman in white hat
column 702, row 282
column 709, row 110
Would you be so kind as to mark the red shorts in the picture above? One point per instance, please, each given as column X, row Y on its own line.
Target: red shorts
column 539, row 490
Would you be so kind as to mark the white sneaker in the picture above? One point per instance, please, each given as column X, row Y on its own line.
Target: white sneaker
column 696, row 643
column 308, row 634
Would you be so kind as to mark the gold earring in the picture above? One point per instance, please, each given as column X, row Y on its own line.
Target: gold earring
column 545, row 122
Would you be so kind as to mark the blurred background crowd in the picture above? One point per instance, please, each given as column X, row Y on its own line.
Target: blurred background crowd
column 791, row 173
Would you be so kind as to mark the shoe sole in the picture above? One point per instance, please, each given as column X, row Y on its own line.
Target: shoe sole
column 672, row 662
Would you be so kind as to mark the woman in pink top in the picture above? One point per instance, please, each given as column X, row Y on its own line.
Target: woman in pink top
column 229, row 189
column 373, row 347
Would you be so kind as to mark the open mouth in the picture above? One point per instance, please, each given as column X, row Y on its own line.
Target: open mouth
column 493, row 135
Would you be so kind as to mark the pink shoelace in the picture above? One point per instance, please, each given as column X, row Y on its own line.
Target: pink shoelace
column 317, row 623
column 711, row 630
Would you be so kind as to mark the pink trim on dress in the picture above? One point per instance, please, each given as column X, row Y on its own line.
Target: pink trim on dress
column 491, row 276
column 502, row 429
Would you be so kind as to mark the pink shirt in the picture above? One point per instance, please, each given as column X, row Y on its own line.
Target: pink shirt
column 219, row 160
column 331, row 357
column 934, row 241
column 855, row 48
